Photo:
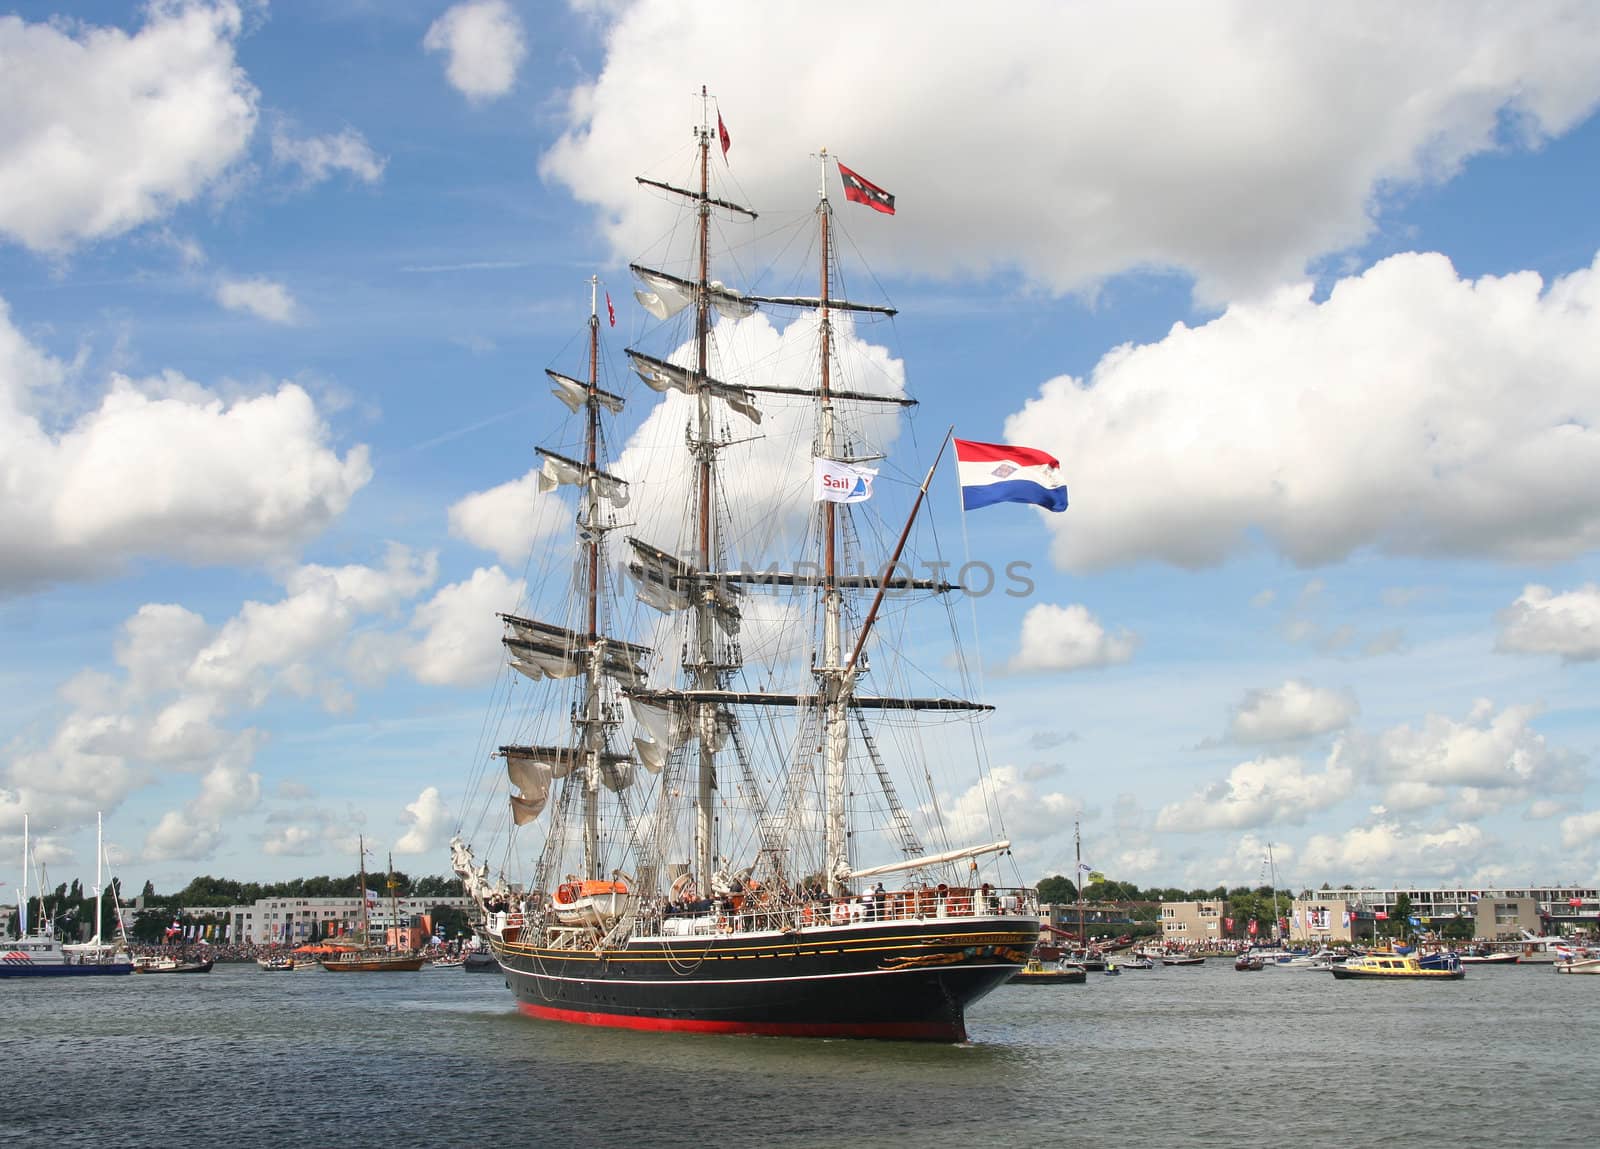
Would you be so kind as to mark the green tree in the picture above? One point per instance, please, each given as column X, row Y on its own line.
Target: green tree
column 1461, row 929
column 1398, row 925
column 449, row 922
column 1057, row 890
column 150, row 926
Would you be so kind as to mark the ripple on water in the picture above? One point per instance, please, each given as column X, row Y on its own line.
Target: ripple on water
column 1173, row 1057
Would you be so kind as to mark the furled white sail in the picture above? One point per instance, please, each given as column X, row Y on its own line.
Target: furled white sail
column 666, row 296
column 538, row 664
column 532, row 775
column 616, row 773
column 652, row 755
column 664, row 582
column 661, row 376
column 575, row 394
column 558, row 472
column 666, row 725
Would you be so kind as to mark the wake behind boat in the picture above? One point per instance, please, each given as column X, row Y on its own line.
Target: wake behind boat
column 718, row 864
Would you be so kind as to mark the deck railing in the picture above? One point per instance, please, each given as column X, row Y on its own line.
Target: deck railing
column 758, row 911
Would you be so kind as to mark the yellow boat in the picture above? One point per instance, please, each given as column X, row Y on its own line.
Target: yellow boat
column 1382, row 964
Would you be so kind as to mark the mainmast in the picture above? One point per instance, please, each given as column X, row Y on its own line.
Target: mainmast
column 835, row 694
column 593, row 733
column 705, row 447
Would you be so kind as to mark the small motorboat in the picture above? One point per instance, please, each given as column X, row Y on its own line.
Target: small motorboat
column 1577, row 961
column 1178, row 959
column 448, row 963
column 1249, row 962
column 1112, row 969
column 480, row 961
column 1036, row 972
column 276, row 962
column 1136, row 963
column 1382, row 965
column 1489, row 957
column 170, row 965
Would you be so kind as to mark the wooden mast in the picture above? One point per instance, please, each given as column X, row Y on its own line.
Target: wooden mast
column 394, row 908
column 361, row 892
column 1077, row 846
column 592, row 737
column 705, row 676
column 834, row 696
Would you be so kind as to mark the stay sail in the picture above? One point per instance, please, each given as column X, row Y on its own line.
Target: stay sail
column 690, row 826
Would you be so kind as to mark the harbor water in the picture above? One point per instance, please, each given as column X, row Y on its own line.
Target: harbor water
column 1165, row 1057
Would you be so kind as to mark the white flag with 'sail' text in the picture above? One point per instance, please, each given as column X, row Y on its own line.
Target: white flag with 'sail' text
column 836, row 482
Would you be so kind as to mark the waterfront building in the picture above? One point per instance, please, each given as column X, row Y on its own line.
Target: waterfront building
column 1193, row 923
column 1496, row 914
column 291, row 921
column 1324, row 921
column 1098, row 917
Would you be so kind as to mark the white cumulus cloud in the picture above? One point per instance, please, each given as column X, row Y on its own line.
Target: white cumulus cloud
column 1544, row 622
column 483, row 44
column 264, row 298
column 459, row 643
column 1485, row 751
column 427, row 821
column 105, row 130
column 159, row 466
column 1292, row 711
column 1219, row 153
column 1068, row 638
column 1261, row 792
column 1581, row 831
column 1375, row 853
column 1261, row 424
column 319, row 157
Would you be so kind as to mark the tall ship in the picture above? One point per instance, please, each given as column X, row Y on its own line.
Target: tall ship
column 741, row 798
column 372, row 957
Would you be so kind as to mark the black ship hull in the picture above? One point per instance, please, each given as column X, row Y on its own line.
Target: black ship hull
column 905, row 980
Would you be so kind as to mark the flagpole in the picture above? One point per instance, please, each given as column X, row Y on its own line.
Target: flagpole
column 966, row 561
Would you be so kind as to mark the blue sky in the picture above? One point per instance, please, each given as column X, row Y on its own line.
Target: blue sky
column 1305, row 300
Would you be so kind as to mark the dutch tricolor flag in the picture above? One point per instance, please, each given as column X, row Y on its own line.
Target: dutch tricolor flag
column 997, row 473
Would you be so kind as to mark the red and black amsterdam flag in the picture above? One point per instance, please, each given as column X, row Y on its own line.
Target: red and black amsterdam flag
column 861, row 191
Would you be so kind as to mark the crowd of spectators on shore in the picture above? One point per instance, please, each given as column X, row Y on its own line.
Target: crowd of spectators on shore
column 251, row 951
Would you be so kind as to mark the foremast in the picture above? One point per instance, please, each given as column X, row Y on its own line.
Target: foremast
column 541, row 650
